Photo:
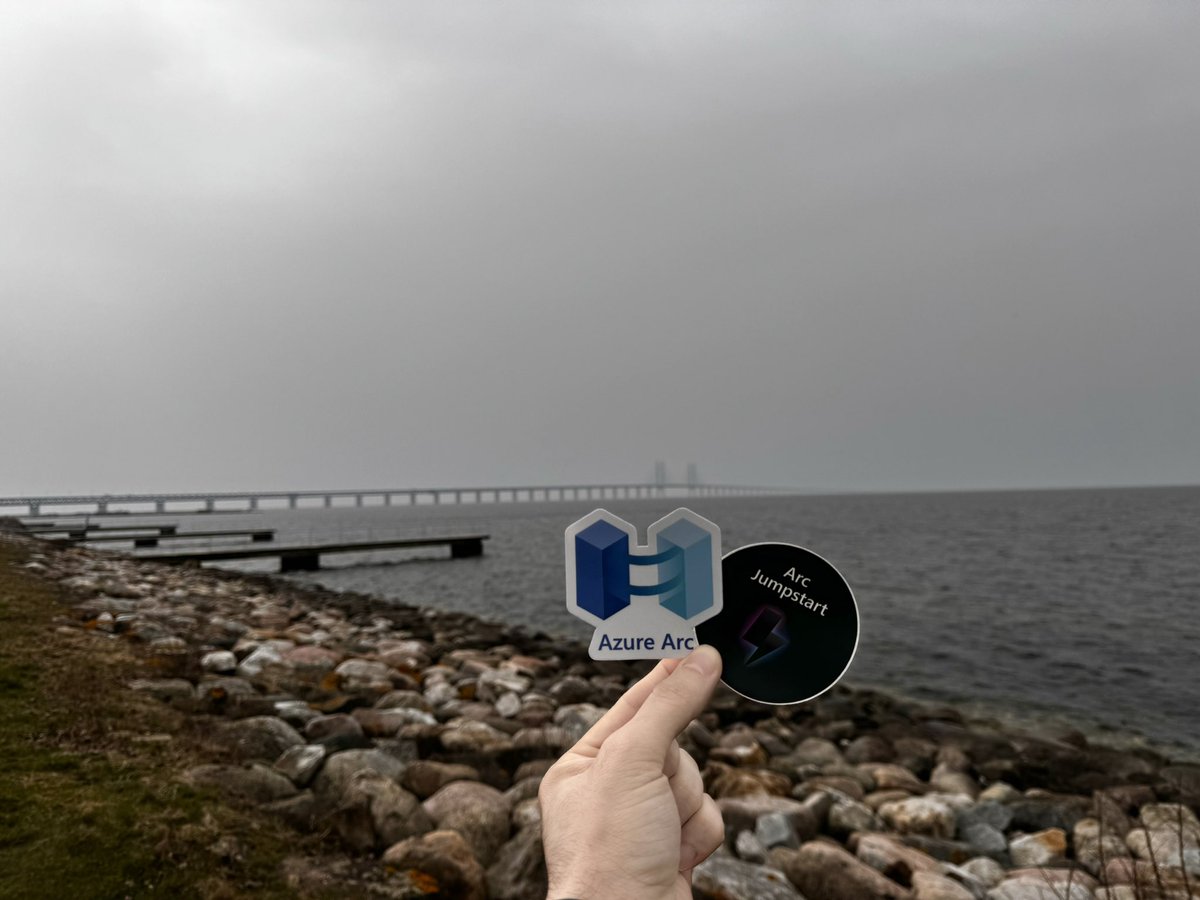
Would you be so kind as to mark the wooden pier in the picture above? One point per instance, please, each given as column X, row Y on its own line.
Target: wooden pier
column 74, row 531
column 307, row 557
column 147, row 537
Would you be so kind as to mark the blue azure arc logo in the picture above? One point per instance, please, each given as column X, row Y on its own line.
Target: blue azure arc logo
column 634, row 592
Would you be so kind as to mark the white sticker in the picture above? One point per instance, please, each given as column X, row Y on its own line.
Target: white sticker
column 645, row 601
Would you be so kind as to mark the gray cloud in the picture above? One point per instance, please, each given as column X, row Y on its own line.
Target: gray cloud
column 840, row 247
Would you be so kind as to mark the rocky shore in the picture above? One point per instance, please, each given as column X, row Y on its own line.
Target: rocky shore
column 418, row 738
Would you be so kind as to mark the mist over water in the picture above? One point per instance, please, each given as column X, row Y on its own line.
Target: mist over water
column 1077, row 605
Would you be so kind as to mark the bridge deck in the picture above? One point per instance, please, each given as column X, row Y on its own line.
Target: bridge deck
column 239, row 501
column 306, row 557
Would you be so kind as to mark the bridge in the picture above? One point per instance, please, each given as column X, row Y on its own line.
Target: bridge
column 244, row 501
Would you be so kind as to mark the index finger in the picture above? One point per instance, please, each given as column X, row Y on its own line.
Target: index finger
column 674, row 702
column 623, row 710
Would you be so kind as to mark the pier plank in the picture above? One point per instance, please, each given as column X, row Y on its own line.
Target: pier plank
column 307, row 557
column 147, row 537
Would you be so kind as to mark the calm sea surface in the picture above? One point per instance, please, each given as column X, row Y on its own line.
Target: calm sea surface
column 1079, row 606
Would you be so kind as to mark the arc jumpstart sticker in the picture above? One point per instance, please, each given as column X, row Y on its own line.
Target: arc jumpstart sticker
column 783, row 618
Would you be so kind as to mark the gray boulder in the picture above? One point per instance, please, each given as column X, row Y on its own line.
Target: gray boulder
column 301, row 764
column 721, row 877
column 256, row 782
column 260, row 737
column 824, row 870
column 443, row 858
column 519, row 872
column 375, row 813
column 478, row 812
column 334, row 778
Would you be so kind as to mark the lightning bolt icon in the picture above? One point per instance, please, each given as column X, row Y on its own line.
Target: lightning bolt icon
column 764, row 635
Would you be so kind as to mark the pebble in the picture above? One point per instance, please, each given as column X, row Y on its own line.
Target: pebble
column 477, row 811
column 776, row 830
column 743, row 813
column 447, row 861
column 1037, row 889
column 1038, row 849
column 262, row 656
column 920, row 815
column 748, row 847
column 260, row 737
column 301, row 764
column 932, row 886
column 826, row 871
column 984, row 870
column 519, row 871
column 333, row 779
column 985, row 839
column 374, row 812
column 508, row 705
column 722, row 877
column 426, row 777
column 219, row 662
column 256, row 782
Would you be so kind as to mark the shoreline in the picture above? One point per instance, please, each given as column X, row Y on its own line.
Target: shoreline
column 1006, row 717
column 417, row 737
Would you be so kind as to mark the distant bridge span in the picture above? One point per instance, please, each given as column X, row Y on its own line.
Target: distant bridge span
column 242, row 501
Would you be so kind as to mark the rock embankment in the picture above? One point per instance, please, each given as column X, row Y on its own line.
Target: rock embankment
column 420, row 737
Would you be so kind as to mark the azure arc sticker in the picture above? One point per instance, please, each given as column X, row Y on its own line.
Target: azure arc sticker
column 644, row 601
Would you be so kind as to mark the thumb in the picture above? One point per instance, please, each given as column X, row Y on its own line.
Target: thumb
column 674, row 702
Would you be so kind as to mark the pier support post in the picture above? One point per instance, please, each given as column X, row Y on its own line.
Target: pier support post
column 464, row 549
column 328, row 501
column 35, row 509
column 208, row 504
column 304, row 561
column 253, row 503
column 292, row 501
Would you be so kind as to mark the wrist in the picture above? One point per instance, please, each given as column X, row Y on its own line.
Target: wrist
column 584, row 888
column 569, row 889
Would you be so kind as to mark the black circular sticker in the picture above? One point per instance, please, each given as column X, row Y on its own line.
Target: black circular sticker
column 788, row 625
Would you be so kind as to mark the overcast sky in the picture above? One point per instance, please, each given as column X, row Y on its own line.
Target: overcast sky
column 838, row 246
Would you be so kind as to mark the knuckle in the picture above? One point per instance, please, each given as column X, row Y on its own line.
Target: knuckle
column 617, row 745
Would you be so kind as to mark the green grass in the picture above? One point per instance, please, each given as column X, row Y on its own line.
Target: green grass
column 88, row 807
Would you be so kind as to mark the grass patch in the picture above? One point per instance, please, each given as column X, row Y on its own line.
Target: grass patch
column 89, row 801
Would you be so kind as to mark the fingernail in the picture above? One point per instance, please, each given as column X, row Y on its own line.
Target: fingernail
column 704, row 659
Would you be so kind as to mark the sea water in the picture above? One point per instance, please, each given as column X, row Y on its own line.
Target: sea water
column 1077, row 605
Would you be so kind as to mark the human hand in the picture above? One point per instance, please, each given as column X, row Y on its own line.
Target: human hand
column 624, row 813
